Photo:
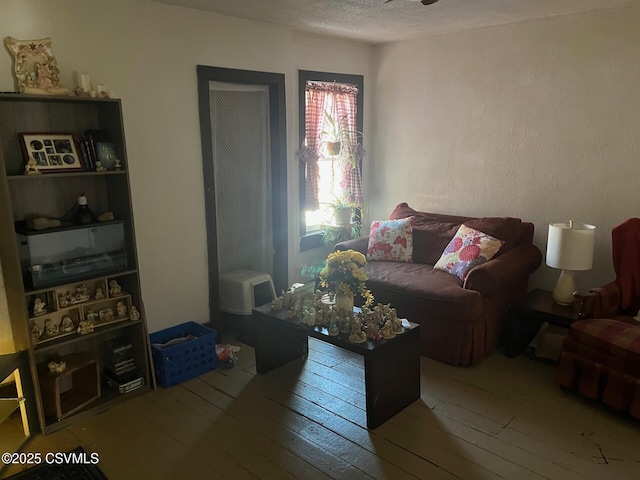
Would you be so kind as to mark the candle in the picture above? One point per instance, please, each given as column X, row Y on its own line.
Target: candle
column 84, row 81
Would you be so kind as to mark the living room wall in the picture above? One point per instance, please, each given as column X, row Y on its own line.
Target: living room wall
column 537, row 119
column 146, row 53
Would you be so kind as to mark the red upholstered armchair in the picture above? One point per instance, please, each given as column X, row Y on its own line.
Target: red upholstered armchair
column 600, row 356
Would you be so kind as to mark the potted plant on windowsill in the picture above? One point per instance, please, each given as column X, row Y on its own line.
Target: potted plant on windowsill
column 343, row 228
column 342, row 209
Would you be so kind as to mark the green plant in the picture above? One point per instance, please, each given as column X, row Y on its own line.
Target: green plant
column 333, row 234
column 338, row 137
column 342, row 202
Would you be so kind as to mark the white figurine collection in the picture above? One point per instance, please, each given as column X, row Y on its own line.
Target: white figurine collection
column 312, row 310
column 49, row 328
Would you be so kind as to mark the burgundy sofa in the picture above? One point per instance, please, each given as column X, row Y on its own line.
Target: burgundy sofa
column 460, row 322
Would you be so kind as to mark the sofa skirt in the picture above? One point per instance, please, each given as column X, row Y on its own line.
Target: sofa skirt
column 598, row 376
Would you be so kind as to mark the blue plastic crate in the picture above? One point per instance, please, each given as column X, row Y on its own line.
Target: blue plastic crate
column 184, row 360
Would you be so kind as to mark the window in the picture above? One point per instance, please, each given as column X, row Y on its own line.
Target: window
column 330, row 154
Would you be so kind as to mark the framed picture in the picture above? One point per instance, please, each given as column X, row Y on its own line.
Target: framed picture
column 52, row 152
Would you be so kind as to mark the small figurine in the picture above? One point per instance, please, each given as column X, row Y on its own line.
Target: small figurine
column 39, row 307
column 134, row 314
column 99, row 167
column 51, row 328
column 398, row 329
column 66, row 325
column 387, row 330
column 114, row 289
column 57, row 367
column 36, row 333
column 81, row 295
column 99, row 293
column 276, row 304
column 80, row 92
column 30, row 168
column 373, row 331
column 85, row 326
column 63, row 300
column 117, row 164
column 358, row 337
column 121, row 309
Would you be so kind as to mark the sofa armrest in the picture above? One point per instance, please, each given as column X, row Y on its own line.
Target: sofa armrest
column 359, row 244
column 601, row 302
column 505, row 271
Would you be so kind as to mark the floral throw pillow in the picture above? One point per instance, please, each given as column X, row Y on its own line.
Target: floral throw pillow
column 391, row 240
column 467, row 249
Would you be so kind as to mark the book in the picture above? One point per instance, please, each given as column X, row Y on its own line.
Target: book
column 83, row 147
column 93, row 137
column 124, row 383
column 106, row 154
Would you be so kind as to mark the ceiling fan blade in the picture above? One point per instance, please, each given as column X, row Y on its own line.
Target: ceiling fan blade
column 424, row 2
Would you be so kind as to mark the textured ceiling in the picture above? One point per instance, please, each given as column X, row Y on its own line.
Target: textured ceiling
column 376, row 21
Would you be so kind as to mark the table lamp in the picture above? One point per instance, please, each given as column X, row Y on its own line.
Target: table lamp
column 570, row 248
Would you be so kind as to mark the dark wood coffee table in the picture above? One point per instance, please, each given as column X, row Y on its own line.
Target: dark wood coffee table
column 391, row 367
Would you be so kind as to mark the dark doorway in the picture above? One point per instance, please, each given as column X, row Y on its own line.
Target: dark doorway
column 213, row 82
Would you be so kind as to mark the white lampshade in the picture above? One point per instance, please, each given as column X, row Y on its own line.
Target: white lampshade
column 570, row 248
column 570, row 245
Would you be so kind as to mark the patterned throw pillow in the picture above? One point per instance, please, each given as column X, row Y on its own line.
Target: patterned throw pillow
column 467, row 249
column 391, row 240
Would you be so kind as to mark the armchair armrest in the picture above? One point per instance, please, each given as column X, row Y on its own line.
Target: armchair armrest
column 505, row 271
column 601, row 302
column 359, row 244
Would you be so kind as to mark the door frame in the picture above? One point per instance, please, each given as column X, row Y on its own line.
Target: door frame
column 278, row 151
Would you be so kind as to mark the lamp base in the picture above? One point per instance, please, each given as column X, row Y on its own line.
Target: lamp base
column 563, row 292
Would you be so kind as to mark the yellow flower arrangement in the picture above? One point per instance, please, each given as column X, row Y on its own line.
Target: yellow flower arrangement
column 343, row 273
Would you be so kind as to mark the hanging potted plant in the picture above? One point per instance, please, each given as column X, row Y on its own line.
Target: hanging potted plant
column 338, row 138
column 333, row 134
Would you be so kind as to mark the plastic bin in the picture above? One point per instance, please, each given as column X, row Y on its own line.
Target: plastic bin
column 181, row 361
column 243, row 290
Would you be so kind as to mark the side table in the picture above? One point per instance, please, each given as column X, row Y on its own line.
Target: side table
column 527, row 314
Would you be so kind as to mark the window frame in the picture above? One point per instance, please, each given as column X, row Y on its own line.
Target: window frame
column 309, row 240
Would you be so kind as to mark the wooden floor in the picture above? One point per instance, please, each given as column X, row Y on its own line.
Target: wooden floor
column 503, row 419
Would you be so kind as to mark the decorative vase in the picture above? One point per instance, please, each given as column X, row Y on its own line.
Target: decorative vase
column 344, row 302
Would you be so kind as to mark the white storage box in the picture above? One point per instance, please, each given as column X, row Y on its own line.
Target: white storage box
column 242, row 290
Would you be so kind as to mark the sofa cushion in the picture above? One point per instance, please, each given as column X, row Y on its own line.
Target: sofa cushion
column 507, row 229
column 430, row 239
column 391, row 240
column 467, row 249
column 432, row 232
column 430, row 236
column 616, row 339
column 403, row 210
column 419, row 288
